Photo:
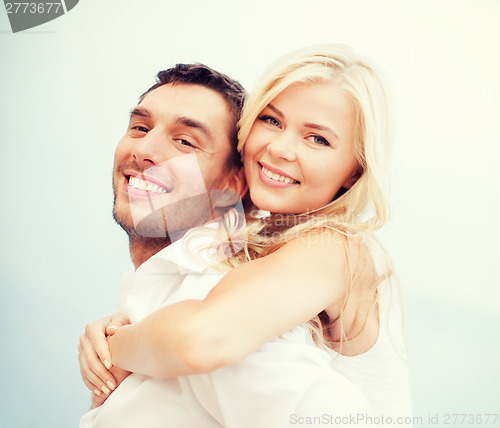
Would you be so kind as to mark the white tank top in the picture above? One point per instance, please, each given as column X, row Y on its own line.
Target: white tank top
column 382, row 371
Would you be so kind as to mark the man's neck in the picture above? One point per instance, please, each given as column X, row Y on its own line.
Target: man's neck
column 142, row 249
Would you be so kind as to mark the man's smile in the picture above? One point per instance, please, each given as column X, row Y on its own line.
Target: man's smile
column 139, row 184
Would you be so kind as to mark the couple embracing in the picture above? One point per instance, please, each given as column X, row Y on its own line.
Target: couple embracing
column 259, row 295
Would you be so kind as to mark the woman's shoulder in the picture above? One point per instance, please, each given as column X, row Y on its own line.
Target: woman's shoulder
column 326, row 243
column 317, row 259
column 318, row 244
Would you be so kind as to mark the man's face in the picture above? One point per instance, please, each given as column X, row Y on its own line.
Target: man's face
column 175, row 150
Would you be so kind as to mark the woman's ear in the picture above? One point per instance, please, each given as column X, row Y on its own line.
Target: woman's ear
column 353, row 177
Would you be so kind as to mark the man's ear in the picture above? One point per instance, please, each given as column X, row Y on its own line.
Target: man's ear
column 233, row 191
column 238, row 183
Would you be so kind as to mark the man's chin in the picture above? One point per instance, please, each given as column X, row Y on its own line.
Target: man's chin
column 125, row 224
column 152, row 226
column 168, row 222
column 123, row 217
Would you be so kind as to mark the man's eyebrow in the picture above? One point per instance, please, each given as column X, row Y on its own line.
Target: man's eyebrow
column 139, row 111
column 193, row 123
column 321, row 128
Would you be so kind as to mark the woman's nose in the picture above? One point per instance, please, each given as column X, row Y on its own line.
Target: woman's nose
column 283, row 146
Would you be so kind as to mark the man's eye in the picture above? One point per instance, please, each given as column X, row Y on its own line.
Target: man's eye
column 184, row 142
column 318, row 139
column 271, row 120
column 140, row 128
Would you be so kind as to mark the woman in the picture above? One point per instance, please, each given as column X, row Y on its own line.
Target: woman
column 312, row 138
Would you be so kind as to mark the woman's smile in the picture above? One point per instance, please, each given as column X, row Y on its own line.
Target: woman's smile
column 275, row 177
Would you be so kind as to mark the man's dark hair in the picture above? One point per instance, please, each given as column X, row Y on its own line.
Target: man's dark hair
column 199, row 74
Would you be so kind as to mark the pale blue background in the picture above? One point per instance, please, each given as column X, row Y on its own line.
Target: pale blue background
column 65, row 92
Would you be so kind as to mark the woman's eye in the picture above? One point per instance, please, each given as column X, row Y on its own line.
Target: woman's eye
column 318, row 139
column 271, row 120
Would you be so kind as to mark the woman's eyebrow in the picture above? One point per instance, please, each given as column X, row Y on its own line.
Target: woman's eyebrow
column 321, row 128
column 277, row 111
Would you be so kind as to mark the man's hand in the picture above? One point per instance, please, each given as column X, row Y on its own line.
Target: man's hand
column 96, row 366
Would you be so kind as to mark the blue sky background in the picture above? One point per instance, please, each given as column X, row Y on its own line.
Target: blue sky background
column 65, row 92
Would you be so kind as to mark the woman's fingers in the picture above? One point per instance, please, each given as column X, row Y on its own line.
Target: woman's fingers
column 93, row 370
column 89, row 385
column 117, row 320
column 95, row 358
column 96, row 334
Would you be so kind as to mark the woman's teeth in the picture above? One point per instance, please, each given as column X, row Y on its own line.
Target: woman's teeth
column 277, row 177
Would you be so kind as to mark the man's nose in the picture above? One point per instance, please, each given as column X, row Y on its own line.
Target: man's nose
column 283, row 146
column 150, row 148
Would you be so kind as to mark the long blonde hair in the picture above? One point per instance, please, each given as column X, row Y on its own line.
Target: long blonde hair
column 354, row 212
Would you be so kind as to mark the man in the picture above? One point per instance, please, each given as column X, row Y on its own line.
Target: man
column 173, row 119
column 176, row 169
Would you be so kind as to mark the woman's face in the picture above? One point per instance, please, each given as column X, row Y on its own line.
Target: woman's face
column 300, row 150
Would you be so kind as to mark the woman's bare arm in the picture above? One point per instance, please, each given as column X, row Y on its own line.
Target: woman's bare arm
column 252, row 304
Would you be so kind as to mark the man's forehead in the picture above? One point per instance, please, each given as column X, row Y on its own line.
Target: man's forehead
column 189, row 95
column 187, row 104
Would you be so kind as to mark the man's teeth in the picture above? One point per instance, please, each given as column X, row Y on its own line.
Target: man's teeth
column 277, row 177
column 140, row 184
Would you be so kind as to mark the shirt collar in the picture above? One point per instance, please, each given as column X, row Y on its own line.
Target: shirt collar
column 194, row 252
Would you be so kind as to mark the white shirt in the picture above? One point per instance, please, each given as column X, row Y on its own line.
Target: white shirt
column 286, row 379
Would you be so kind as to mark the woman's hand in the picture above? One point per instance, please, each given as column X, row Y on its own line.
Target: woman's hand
column 94, row 356
column 119, row 375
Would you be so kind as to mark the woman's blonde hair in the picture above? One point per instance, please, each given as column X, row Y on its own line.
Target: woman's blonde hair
column 354, row 212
